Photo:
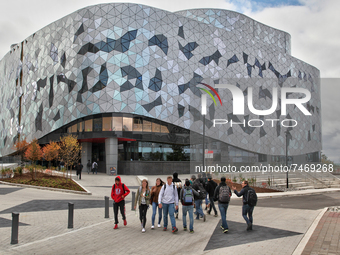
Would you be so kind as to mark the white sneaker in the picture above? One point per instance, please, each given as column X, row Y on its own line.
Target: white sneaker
column 159, row 225
column 152, row 227
column 143, row 230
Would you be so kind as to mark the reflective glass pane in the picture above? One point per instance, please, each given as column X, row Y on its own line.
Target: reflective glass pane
column 88, row 125
column 74, row 128
column 127, row 124
column 137, row 124
column 107, row 124
column 156, row 127
column 117, row 123
column 147, row 126
column 164, row 129
column 97, row 124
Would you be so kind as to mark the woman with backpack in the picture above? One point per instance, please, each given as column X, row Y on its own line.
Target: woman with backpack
column 143, row 200
column 154, row 202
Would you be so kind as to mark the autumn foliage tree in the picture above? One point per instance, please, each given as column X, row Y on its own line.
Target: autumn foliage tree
column 51, row 151
column 34, row 153
column 69, row 150
column 20, row 146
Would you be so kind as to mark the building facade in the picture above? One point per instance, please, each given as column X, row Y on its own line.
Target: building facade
column 128, row 80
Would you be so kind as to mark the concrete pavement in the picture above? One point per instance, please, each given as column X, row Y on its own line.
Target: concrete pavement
column 280, row 223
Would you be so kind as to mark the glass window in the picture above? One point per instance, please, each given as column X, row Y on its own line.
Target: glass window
column 147, row 126
column 117, row 123
column 74, row 128
column 156, row 128
column 97, row 124
column 69, row 130
column 88, row 125
column 107, row 124
column 164, row 129
column 138, row 124
column 127, row 124
column 80, row 127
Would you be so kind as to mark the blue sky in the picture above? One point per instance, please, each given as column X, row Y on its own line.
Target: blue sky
column 259, row 5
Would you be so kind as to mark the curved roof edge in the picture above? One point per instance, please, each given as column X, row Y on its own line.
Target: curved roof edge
column 207, row 12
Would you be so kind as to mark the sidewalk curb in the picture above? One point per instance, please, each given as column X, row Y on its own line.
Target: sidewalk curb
column 48, row 188
column 301, row 246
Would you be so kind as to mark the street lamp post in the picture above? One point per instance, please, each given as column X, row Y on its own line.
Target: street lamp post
column 203, row 142
column 286, row 132
column 204, row 112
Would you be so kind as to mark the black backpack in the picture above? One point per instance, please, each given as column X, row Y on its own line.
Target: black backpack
column 224, row 194
column 201, row 191
column 251, row 197
column 89, row 164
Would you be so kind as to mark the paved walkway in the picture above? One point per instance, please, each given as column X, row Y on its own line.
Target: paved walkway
column 280, row 223
column 326, row 237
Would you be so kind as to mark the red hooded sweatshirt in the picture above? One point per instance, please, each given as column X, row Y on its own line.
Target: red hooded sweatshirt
column 118, row 191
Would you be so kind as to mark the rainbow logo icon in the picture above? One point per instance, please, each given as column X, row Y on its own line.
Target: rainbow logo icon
column 204, row 97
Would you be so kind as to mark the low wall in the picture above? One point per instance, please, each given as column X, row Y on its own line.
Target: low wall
column 153, row 167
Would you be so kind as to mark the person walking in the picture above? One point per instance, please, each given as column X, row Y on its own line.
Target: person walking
column 94, row 167
column 198, row 186
column 168, row 200
column 222, row 194
column 210, row 187
column 88, row 165
column 118, row 193
column 154, row 202
column 187, row 199
column 248, row 204
column 143, row 200
column 79, row 169
column 62, row 165
column 178, row 183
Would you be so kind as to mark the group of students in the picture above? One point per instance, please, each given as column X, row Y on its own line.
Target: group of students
column 164, row 197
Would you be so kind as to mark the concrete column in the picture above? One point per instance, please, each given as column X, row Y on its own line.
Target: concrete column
column 86, row 154
column 111, row 153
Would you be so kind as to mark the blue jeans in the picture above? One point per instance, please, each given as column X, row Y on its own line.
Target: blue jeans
column 169, row 209
column 212, row 206
column 188, row 209
column 206, row 200
column 154, row 211
column 223, row 210
column 247, row 209
column 199, row 211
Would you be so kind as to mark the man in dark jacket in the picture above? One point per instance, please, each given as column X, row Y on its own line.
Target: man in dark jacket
column 79, row 168
column 118, row 194
column 210, row 187
column 178, row 183
column 197, row 185
column 246, row 209
column 222, row 195
column 188, row 206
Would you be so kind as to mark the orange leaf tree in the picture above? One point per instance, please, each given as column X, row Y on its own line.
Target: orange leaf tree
column 20, row 147
column 69, row 150
column 51, row 151
column 33, row 153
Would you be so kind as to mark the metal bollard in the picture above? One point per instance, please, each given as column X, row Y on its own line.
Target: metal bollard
column 133, row 200
column 70, row 215
column 107, row 207
column 15, row 228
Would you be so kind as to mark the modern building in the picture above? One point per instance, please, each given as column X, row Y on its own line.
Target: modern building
column 128, row 79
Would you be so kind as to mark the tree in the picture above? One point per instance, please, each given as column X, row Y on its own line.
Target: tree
column 69, row 150
column 326, row 160
column 51, row 151
column 20, row 147
column 33, row 153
